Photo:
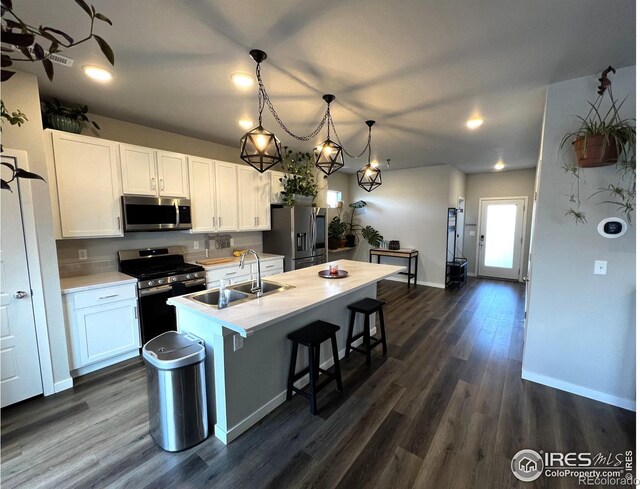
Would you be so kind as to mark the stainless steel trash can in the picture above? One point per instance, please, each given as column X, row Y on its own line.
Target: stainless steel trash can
column 176, row 390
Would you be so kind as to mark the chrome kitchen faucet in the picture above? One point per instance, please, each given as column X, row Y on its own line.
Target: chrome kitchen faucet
column 257, row 289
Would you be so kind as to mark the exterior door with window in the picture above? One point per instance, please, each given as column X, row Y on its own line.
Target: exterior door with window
column 501, row 237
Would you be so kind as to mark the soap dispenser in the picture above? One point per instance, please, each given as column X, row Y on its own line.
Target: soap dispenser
column 223, row 301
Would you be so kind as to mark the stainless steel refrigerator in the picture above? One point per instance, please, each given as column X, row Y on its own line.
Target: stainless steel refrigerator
column 300, row 234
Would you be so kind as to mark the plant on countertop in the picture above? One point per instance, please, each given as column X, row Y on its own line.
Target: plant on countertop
column 603, row 139
column 336, row 230
column 65, row 117
column 300, row 178
column 370, row 234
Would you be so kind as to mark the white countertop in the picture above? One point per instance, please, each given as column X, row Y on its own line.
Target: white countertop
column 309, row 291
column 235, row 260
column 94, row 281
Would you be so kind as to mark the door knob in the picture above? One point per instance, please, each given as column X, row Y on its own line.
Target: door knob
column 21, row 294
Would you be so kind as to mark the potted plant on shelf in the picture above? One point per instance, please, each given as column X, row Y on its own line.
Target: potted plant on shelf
column 300, row 182
column 603, row 138
column 370, row 235
column 65, row 118
column 336, row 229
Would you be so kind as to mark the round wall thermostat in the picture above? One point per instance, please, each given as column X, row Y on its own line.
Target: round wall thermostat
column 612, row 227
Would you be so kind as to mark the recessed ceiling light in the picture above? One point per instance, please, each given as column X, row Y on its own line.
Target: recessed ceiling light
column 242, row 80
column 499, row 165
column 245, row 123
column 97, row 73
column 475, row 123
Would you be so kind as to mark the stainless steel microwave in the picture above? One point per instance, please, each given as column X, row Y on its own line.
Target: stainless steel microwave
column 156, row 214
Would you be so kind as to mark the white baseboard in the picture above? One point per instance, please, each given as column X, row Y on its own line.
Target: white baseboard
column 104, row 363
column 62, row 385
column 235, row 431
column 420, row 282
column 469, row 274
column 629, row 404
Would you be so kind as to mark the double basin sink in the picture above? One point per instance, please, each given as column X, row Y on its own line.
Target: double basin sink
column 238, row 293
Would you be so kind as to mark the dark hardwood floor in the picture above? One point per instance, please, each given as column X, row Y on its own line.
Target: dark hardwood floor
column 445, row 409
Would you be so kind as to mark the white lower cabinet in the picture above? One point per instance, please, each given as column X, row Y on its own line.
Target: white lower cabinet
column 103, row 327
column 235, row 274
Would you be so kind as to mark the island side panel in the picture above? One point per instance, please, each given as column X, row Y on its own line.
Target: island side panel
column 255, row 376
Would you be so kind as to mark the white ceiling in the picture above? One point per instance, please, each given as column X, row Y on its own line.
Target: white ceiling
column 419, row 68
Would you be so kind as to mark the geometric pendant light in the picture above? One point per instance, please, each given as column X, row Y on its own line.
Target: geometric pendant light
column 369, row 176
column 260, row 148
column 329, row 157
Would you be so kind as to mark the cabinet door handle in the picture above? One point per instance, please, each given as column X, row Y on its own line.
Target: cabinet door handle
column 153, row 183
column 231, row 273
column 219, row 222
column 135, row 312
column 108, row 296
column 118, row 219
column 269, row 266
column 214, row 221
column 161, row 184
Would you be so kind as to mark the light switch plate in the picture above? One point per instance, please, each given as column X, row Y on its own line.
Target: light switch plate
column 82, row 254
column 196, row 245
column 472, row 233
column 600, row 267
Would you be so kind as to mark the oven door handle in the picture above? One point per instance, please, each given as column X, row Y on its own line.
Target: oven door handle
column 155, row 290
column 198, row 281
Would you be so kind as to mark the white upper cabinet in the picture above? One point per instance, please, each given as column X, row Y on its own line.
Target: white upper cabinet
column 138, row 170
column 277, row 187
column 86, row 197
column 146, row 171
column 203, row 195
column 254, row 208
column 226, row 183
column 173, row 180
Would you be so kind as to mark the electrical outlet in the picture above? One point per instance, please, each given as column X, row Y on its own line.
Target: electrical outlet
column 196, row 245
column 82, row 254
column 472, row 233
column 232, row 242
column 600, row 267
column 238, row 342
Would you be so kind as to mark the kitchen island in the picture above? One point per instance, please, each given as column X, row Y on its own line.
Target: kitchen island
column 247, row 348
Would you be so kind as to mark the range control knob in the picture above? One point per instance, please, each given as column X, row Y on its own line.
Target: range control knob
column 152, row 282
column 188, row 275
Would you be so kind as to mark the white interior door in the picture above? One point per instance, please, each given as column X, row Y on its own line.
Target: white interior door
column 19, row 361
column 500, row 237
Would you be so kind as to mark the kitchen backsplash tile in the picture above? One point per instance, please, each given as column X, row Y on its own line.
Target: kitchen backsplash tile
column 102, row 253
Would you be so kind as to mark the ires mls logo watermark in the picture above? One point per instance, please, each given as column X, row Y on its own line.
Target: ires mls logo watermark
column 527, row 465
column 589, row 469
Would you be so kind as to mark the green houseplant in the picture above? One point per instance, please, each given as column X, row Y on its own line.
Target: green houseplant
column 370, row 234
column 300, row 182
column 603, row 138
column 65, row 117
column 337, row 229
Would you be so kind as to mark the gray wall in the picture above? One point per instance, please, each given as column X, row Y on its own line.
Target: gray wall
column 495, row 184
column 21, row 92
column 411, row 206
column 580, row 334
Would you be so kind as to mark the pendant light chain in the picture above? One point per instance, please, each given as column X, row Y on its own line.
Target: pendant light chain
column 368, row 145
column 265, row 99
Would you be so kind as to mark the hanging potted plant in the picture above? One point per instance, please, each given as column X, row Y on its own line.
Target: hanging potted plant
column 603, row 138
column 300, row 183
column 65, row 118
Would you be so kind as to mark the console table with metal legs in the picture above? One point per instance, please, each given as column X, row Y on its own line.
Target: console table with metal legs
column 407, row 253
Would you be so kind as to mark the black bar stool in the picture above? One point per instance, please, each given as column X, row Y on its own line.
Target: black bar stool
column 312, row 336
column 366, row 307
